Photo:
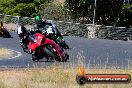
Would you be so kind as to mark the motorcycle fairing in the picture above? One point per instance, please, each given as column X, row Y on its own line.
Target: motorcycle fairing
column 37, row 42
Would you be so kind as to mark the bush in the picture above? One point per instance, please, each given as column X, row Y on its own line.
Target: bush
column 54, row 12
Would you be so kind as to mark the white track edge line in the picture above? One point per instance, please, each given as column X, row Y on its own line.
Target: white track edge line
column 18, row 54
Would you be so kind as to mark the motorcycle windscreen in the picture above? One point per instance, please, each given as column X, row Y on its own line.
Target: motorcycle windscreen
column 36, row 41
column 32, row 38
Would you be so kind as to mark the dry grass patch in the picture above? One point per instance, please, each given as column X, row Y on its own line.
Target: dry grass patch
column 53, row 78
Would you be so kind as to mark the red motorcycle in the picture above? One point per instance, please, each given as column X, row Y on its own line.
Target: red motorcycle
column 44, row 47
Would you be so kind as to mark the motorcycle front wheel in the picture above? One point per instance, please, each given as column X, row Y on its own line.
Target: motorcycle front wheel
column 50, row 51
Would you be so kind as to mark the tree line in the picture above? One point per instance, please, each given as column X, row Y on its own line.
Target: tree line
column 110, row 12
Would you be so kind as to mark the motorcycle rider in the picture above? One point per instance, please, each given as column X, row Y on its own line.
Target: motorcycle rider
column 40, row 23
column 38, row 27
column 26, row 35
column 43, row 24
column 49, row 29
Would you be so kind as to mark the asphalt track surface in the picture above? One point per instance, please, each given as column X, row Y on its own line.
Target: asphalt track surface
column 92, row 52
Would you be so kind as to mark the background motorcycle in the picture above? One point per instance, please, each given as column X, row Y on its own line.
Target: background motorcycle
column 53, row 33
column 23, row 35
column 3, row 31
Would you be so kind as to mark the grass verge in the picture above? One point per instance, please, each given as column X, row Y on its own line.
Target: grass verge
column 54, row 77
